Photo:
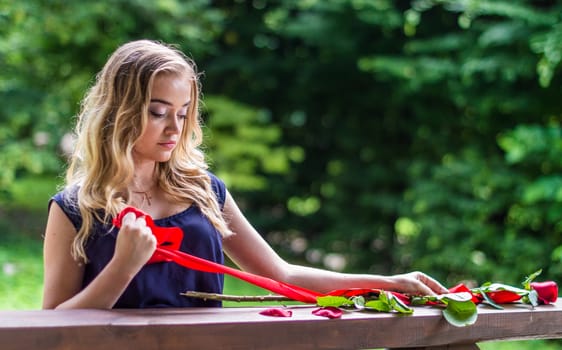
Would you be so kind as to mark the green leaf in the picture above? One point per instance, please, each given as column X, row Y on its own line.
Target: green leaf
column 359, row 302
column 495, row 287
column 381, row 304
column 532, row 298
column 398, row 305
column 489, row 300
column 460, row 313
column 530, row 278
column 335, row 301
column 461, row 296
column 421, row 300
column 388, row 302
column 378, row 305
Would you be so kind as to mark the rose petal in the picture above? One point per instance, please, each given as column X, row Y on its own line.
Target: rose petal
column 503, row 296
column 328, row 311
column 459, row 288
column 276, row 312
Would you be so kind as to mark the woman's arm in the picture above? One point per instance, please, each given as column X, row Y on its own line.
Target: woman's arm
column 63, row 275
column 252, row 253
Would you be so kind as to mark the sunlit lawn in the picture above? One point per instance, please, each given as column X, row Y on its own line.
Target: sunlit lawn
column 21, row 273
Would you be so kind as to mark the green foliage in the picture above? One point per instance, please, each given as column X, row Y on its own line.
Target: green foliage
column 392, row 135
column 459, row 309
column 492, row 202
column 382, row 302
column 45, row 76
column 33, row 193
column 527, row 344
column 244, row 145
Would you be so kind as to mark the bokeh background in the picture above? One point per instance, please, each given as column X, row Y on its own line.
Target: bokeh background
column 357, row 135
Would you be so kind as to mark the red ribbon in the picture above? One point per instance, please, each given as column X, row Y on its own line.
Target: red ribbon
column 167, row 249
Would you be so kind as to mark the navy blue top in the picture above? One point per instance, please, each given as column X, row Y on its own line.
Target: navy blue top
column 158, row 284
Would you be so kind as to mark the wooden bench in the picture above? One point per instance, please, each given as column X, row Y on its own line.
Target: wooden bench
column 244, row 328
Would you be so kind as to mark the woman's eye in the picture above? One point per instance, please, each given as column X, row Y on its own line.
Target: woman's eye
column 157, row 114
column 182, row 116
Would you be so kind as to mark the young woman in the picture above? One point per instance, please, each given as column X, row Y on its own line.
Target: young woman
column 137, row 144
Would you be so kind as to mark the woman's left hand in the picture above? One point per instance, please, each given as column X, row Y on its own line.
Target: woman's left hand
column 418, row 283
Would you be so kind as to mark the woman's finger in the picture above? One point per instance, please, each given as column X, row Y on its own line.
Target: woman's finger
column 128, row 219
column 431, row 283
column 141, row 222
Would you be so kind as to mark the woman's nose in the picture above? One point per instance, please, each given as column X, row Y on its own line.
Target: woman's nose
column 174, row 124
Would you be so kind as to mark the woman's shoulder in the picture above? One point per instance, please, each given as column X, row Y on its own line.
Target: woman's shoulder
column 67, row 197
column 219, row 188
column 67, row 200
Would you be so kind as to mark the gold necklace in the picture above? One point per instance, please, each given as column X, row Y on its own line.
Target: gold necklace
column 145, row 197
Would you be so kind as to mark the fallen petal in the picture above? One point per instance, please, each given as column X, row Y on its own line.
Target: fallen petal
column 276, row 312
column 328, row 311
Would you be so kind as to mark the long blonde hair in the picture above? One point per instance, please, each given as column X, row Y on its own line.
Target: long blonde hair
column 113, row 116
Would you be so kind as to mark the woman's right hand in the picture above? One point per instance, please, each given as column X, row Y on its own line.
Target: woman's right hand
column 135, row 243
column 64, row 275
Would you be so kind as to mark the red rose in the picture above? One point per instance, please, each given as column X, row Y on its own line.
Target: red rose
column 547, row 291
column 503, row 296
column 461, row 287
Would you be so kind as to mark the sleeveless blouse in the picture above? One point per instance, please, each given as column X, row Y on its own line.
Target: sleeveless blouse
column 158, row 284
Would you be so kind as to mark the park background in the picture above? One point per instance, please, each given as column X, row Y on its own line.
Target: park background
column 357, row 135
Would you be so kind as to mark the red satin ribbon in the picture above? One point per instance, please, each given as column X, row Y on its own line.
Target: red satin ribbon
column 168, row 243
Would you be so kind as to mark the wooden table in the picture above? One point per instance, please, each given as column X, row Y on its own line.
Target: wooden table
column 244, row 328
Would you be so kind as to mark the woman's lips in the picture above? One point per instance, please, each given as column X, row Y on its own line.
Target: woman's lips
column 168, row 144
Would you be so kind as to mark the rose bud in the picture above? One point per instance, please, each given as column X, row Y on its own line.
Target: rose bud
column 547, row 291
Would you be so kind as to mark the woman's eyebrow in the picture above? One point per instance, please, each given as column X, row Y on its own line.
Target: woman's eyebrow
column 157, row 100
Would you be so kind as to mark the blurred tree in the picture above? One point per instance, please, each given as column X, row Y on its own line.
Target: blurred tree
column 359, row 134
column 51, row 50
column 45, row 76
column 399, row 108
column 467, row 209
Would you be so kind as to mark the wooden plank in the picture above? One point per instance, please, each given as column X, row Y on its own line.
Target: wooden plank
column 245, row 328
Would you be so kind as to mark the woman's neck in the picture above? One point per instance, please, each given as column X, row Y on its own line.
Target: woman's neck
column 144, row 178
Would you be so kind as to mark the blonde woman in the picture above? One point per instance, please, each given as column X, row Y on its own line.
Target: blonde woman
column 137, row 144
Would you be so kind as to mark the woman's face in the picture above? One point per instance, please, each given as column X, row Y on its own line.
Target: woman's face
column 167, row 111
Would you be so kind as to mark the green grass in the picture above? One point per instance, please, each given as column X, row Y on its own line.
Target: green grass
column 33, row 193
column 22, row 223
column 522, row 345
column 21, row 273
column 234, row 286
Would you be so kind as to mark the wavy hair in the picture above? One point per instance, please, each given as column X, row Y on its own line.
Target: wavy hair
column 113, row 116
